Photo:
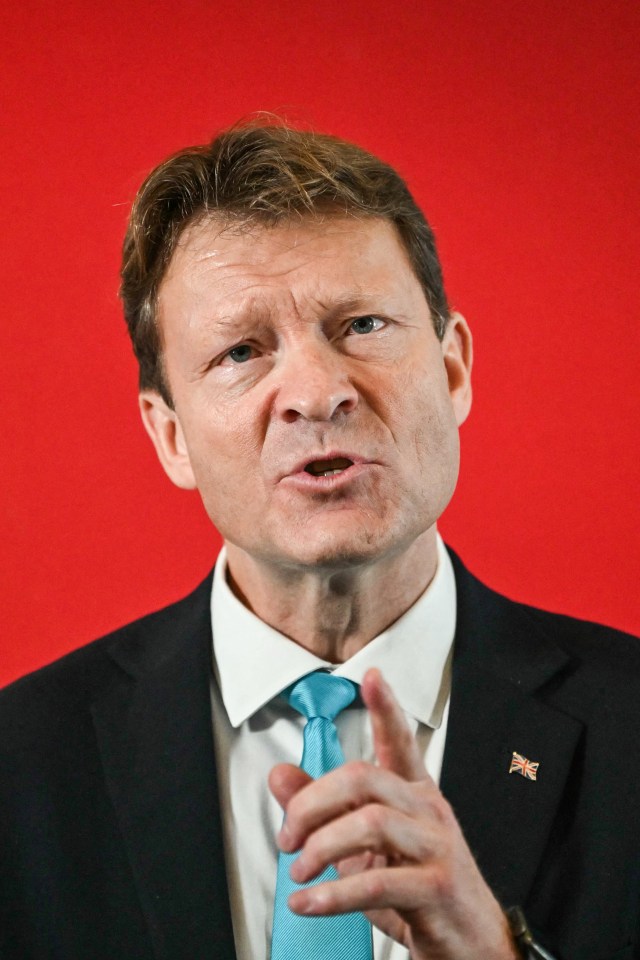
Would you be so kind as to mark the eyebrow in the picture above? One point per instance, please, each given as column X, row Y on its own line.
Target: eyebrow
column 351, row 303
column 258, row 312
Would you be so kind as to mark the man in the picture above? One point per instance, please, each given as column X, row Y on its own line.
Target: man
column 300, row 367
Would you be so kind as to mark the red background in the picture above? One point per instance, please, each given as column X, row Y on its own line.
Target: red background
column 516, row 125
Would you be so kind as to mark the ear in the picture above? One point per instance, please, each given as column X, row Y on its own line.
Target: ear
column 163, row 426
column 457, row 349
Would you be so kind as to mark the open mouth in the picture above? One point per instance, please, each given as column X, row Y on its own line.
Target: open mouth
column 328, row 468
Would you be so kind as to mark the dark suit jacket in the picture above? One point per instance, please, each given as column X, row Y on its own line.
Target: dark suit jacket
column 111, row 843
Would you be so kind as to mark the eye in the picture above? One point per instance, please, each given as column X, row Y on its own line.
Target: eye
column 241, row 353
column 366, row 324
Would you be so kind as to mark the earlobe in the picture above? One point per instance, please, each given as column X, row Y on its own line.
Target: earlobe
column 457, row 348
column 164, row 428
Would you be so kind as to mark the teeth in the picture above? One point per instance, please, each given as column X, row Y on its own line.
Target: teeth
column 327, row 468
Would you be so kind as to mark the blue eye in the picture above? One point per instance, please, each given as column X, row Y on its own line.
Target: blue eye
column 241, row 353
column 366, row 324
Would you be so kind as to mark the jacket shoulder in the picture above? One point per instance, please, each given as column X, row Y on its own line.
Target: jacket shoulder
column 594, row 640
column 76, row 678
column 506, row 625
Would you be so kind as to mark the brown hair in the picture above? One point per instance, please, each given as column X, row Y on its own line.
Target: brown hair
column 260, row 174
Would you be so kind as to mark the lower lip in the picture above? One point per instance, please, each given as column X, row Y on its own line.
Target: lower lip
column 335, row 481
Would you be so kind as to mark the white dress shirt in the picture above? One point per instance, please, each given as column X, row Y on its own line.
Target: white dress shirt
column 254, row 728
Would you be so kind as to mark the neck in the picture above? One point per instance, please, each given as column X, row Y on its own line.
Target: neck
column 333, row 613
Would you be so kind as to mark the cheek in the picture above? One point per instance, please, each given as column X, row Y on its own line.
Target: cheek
column 431, row 437
column 419, row 406
column 439, row 447
column 224, row 449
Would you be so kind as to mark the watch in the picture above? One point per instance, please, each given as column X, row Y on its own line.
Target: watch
column 528, row 948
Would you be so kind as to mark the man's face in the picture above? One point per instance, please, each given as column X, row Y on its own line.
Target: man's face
column 314, row 407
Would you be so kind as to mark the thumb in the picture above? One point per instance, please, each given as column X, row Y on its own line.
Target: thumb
column 285, row 780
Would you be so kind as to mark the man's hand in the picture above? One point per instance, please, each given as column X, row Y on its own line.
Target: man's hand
column 398, row 848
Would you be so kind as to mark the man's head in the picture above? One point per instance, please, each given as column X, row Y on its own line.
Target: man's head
column 260, row 175
column 299, row 366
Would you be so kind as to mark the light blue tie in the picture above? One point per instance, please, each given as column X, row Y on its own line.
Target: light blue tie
column 319, row 697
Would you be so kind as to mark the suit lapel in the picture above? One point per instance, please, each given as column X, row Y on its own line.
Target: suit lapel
column 153, row 727
column 502, row 662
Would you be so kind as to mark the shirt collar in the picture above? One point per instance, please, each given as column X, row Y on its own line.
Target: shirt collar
column 253, row 662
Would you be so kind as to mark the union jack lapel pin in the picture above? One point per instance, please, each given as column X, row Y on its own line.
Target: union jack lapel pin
column 526, row 768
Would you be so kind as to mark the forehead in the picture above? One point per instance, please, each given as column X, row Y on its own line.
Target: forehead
column 331, row 258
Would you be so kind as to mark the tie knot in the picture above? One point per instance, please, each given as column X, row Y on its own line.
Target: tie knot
column 321, row 694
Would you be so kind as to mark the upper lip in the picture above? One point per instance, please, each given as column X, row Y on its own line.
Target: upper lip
column 300, row 465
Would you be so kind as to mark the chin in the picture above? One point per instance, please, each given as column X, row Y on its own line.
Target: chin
column 344, row 545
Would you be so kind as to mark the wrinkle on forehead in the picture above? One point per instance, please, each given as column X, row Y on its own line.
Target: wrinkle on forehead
column 199, row 241
column 289, row 307
column 231, row 276
column 235, row 261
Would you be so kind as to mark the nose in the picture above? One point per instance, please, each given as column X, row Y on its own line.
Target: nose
column 314, row 385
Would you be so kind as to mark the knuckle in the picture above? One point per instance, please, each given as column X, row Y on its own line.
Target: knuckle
column 443, row 809
column 424, row 848
column 373, row 817
column 442, row 884
column 374, row 886
column 433, row 802
column 357, row 773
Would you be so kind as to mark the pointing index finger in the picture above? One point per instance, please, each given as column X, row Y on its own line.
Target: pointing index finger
column 395, row 745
